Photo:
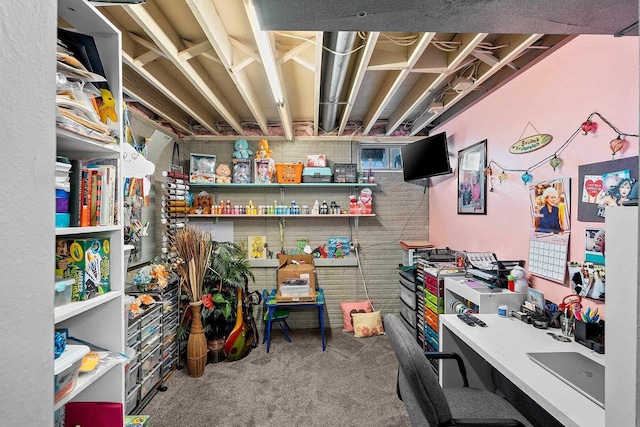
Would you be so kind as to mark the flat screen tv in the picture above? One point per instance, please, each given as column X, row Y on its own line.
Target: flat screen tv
column 425, row 158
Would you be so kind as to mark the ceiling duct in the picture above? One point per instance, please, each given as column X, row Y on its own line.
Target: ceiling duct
column 334, row 71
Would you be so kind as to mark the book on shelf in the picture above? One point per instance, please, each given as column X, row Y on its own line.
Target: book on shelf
column 96, row 195
column 85, row 211
column 75, row 192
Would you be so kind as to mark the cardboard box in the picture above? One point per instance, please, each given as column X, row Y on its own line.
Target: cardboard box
column 288, row 269
column 87, row 261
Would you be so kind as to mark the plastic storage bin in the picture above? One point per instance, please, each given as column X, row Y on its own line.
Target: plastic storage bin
column 65, row 370
column 289, row 173
column 63, row 292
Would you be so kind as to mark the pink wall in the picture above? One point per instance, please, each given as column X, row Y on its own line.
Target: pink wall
column 590, row 73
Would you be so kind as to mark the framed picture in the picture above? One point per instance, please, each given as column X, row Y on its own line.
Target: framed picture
column 472, row 183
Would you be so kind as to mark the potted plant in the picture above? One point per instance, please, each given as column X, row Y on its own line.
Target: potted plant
column 228, row 269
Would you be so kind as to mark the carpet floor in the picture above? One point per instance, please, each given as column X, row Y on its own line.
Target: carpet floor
column 352, row 383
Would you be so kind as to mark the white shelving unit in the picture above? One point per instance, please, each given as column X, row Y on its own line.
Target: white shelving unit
column 487, row 302
column 622, row 332
column 99, row 320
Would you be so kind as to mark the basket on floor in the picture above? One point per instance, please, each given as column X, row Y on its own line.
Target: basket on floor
column 289, row 173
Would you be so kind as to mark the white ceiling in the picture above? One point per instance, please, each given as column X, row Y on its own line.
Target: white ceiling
column 195, row 65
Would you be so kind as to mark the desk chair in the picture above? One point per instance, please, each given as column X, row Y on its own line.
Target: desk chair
column 280, row 316
column 427, row 403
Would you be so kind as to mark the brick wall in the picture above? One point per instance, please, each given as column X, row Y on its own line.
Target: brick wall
column 401, row 214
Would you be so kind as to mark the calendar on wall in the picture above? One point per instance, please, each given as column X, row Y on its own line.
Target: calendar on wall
column 551, row 228
column 548, row 256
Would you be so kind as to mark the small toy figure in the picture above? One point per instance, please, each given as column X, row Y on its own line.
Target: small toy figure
column 202, row 203
column 107, row 107
column 223, row 174
column 263, row 151
column 242, row 149
column 319, row 252
column 520, row 281
column 241, row 171
column 364, row 203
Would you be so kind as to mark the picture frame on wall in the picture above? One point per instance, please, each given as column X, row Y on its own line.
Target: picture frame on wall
column 472, row 182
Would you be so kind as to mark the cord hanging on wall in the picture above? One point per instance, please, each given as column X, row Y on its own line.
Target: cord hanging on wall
column 554, row 159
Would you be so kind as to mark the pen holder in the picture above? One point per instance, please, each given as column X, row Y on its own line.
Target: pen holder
column 590, row 335
column 566, row 325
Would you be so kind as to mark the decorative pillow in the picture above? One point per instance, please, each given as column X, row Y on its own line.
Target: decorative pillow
column 367, row 324
column 349, row 308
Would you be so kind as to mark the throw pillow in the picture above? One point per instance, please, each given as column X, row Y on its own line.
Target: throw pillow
column 367, row 324
column 349, row 308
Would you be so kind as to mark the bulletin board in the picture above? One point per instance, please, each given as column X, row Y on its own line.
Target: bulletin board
column 588, row 212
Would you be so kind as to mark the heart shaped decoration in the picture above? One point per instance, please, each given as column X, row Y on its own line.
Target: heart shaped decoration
column 555, row 162
column 593, row 187
column 502, row 177
column 616, row 145
column 526, row 177
column 588, row 126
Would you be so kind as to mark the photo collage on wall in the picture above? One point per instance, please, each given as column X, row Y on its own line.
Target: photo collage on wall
column 551, row 228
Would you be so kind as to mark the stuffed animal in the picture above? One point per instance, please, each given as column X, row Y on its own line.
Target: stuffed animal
column 202, row 203
column 242, row 149
column 263, row 151
column 521, row 284
column 223, row 174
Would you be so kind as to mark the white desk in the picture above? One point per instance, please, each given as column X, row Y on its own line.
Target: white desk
column 503, row 344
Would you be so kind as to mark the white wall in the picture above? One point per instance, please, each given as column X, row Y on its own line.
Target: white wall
column 27, row 84
column 590, row 73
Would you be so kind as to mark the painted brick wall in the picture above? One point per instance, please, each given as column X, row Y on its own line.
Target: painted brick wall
column 401, row 214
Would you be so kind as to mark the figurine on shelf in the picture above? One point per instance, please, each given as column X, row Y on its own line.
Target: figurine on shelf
column 202, row 203
column 263, row 151
column 223, row 174
column 242, row 149
column 364, row 203
column 319, row 252
column 352, row 204
column 521, row 284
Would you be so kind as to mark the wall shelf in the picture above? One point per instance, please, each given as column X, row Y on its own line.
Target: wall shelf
column 277, row 216
column 319, row 262
column 276, row 185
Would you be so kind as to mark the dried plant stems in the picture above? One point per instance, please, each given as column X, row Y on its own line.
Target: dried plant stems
column 194, row 249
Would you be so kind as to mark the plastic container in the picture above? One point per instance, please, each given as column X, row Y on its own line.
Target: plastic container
column 289, row 173
column 63, row 292
column 62, row 201
column 127, row 253
column 63, row 219
column 66, row 368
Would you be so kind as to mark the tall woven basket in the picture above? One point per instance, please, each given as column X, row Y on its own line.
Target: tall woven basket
column 197, row 343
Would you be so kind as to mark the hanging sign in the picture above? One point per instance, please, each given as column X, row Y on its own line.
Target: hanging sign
column 530, row 143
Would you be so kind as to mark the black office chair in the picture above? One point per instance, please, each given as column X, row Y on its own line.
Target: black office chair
column 427, row 403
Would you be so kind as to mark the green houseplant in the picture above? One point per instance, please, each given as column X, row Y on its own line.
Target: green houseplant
column 228, row 269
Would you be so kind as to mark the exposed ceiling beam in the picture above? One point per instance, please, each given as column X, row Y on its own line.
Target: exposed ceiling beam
column 212, row 25
column 358, row 76
column 429, row 82
column 317, row 80
column 344, row 138
column 273, row 70
column 140, row 89
column 394, row 80
column 205, row 54
column 515, row 44
column 145, row 58
column 173, row 90
column 168, row 40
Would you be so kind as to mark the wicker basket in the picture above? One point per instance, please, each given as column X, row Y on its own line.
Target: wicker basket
column 289, row 173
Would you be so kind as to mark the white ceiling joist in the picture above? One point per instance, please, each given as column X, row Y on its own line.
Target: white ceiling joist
column 429, row 82
column 515, row 45
column 317, row 80
column 212, row 25
column 394, row 80
column 363, row 62
column 168, row 40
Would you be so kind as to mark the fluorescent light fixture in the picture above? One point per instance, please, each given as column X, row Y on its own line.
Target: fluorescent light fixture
column 266, row 53
column 435, row 107
column 460, row 84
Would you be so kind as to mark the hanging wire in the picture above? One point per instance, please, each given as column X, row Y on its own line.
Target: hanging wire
column 561, row 148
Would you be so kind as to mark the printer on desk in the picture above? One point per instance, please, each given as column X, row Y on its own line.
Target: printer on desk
column 486, row 267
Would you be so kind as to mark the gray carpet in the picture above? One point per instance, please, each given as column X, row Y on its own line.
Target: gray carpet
column 352, row 383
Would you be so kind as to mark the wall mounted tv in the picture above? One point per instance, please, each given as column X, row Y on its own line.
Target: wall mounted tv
column 425, row 158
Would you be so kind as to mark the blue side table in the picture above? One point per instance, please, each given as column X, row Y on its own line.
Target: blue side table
column 272, row 304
